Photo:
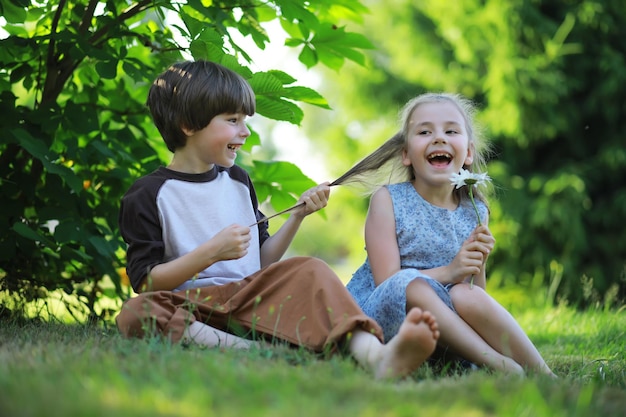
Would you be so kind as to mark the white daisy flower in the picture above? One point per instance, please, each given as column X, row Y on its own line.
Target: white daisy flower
column 469, row 178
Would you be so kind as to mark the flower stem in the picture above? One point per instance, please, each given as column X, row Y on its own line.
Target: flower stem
column 471, row 195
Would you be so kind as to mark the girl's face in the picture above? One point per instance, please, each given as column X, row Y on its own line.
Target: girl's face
column 437, row 144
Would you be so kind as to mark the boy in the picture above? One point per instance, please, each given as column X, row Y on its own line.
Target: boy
column 203, row 274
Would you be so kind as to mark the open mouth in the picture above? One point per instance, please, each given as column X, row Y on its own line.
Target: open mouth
column 439, row 159
column 233, row 147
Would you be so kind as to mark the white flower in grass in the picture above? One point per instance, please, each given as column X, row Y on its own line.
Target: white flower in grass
column 470, row 179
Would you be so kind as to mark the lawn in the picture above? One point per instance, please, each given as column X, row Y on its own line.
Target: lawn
column 58, row 369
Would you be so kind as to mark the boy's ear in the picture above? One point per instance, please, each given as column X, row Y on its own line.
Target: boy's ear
column 187, row 132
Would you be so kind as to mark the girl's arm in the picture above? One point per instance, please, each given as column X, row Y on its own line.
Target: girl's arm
column 380, row 237
column 276, row 245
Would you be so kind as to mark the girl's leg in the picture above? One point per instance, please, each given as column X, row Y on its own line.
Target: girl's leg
column 455, row 333
column 404, row 353
column 496, row 326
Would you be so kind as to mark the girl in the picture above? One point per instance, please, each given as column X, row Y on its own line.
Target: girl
column 423, row 243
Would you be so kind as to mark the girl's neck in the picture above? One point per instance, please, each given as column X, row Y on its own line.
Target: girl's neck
column 440, row 196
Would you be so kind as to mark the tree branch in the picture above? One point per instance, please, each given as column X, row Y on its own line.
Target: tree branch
column 87, row 16
column 127, row 14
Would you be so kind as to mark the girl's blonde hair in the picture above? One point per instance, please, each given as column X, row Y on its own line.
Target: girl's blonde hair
column 384, row 165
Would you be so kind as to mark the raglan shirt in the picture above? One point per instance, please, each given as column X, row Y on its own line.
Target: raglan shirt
column 167, row 214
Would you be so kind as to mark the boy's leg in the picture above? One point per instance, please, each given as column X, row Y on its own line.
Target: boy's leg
column 206, row 335
column 302, row 301
column 404, row 353
column 178, row 316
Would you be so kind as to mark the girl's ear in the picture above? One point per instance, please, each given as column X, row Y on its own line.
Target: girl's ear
column 469, row 158
column 405, row 158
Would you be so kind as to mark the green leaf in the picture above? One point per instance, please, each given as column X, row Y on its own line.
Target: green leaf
column 292, row 29
column 67, row 230
column 294, row 11
column 279, row 109
column 25, row 231
column 306, row 95
column 265, row 82
column 107, row 69
column 12, row 13
column 285, row 175
column 333, row 45
column 282, row 76
column 308, row 56
column 101, row 245
column 38, row 149
column 278, row 180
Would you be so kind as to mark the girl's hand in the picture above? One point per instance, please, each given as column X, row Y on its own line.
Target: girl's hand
column 484, row 239
column 231, row 242
column 467, row 262
column 315, row 199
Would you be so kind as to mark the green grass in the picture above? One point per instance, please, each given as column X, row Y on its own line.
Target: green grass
column 56, row 369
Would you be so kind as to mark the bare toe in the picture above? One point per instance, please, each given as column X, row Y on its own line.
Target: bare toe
column 414, row 343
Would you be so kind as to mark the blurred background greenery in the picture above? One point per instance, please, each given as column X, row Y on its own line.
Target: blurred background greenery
column 549, row 78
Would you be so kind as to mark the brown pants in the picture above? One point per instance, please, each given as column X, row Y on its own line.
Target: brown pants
column 299, row 300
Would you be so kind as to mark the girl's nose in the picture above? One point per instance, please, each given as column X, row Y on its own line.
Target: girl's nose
column 440, row 138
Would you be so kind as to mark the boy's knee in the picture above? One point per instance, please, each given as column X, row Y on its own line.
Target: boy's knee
column 130, row 321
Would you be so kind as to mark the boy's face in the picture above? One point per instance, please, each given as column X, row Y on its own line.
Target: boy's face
column 219, row 141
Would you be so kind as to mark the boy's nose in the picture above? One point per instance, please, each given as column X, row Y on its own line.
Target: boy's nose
column 245, row 132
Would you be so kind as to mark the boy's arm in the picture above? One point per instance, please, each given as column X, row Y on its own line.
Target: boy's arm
column 275, row 247
column 231, row 243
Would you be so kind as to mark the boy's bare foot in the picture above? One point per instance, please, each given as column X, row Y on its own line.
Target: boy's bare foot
column 415, row 342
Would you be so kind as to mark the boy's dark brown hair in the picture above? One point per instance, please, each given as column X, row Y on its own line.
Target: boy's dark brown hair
column 190, row 94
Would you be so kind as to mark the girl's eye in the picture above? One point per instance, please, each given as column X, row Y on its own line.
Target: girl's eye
column 452, row 132
column 423, row 132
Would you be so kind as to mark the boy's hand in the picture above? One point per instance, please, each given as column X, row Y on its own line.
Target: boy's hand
column 232, row 242
column 315, row 199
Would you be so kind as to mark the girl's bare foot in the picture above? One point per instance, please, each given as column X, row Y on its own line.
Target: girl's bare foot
column 415, row 342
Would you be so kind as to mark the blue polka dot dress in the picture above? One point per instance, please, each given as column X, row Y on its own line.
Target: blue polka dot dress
column 428, row 237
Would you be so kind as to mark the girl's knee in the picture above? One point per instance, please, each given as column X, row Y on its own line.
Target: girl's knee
column 470, row 300
column 418, row 289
